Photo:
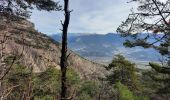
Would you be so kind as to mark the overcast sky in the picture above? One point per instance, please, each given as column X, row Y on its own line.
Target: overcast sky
column 88, row 16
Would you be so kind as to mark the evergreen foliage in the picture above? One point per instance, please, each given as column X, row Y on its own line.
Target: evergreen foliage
column 123, row 71
column 152, row 20
column 21, row 8
column 19, row 78
column 126, row 94
column 155, row 32
column 44, row 86
column 88, row 89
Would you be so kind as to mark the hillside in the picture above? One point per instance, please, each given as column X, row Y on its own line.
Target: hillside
column 39, row 51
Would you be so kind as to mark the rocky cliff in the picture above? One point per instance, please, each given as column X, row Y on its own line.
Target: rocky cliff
column 39, row 51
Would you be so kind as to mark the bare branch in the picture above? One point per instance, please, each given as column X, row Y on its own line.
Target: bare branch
column 7, row 71
column 154, row 1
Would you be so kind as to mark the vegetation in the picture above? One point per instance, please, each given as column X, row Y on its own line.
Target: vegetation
column 126, row 94
column 124, row 82
column 123, row 71
column 45, row 85
column 21, row 8
column 88, row 90
column 19, row 77
column 137, row 23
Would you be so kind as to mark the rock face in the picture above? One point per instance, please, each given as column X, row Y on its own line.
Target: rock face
column 39, row 51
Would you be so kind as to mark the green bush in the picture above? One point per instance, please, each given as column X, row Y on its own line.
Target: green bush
column 84, row 96
column 126, row 94
column 48, row 83
column 88, row 90
column 72, row 77
column 124, row 71
column 18, row 76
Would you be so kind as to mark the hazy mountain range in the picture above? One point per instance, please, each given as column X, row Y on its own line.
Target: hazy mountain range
column 102, row 48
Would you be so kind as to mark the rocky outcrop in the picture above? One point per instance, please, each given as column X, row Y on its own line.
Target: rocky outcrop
column 39, row 51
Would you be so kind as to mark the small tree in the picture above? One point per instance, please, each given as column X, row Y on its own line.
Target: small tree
column 123, row 71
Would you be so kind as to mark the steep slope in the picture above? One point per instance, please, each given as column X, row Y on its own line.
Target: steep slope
column 40, row 52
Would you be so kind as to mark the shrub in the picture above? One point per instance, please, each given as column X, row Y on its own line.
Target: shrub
column 126, row 94
column 18, row 76
column 47, row 84
column 88, row 90
column 123, row 71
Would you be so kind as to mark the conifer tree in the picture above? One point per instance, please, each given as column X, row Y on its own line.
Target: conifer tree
column 122, row 71
column 21, row 8
column 149, row 27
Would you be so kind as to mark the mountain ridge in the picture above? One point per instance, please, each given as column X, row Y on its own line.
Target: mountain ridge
column 98, row 46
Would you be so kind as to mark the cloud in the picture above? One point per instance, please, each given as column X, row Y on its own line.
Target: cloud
column 88, row 16
column 163, row 0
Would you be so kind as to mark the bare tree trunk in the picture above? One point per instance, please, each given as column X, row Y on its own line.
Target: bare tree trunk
column 63, row 61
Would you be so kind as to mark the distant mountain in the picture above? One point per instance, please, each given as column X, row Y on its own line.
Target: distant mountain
column 57, row 36
column 102, row 48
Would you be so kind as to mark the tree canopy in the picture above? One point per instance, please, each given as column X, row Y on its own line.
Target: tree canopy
column 149, row 27
column 22, row 8
column 123, row 71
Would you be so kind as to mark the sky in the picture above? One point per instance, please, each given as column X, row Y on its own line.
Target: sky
column 88, row 16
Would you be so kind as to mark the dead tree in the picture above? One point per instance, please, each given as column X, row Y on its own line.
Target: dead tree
column 63, row 61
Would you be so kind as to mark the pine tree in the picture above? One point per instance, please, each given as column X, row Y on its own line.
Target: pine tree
column 21, row 8
column 149, row 27
column 122, row 71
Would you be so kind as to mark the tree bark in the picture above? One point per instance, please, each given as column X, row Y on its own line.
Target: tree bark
column 63, row 61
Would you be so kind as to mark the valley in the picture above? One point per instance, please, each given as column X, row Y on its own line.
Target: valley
column 102, row 48
column 84, row 50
